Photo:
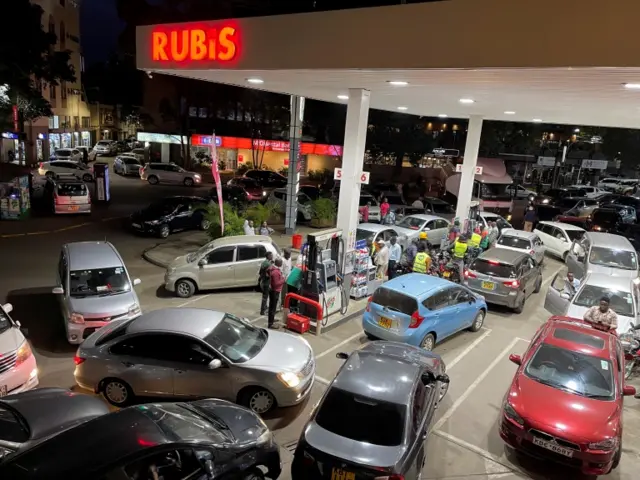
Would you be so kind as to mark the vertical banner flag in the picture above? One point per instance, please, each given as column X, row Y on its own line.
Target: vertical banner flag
column 216, row 178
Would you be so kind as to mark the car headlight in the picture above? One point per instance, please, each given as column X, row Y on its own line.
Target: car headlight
column 265, row 439
column 608, row 444
column 546, row 200
column 290, row 379
column 24, row 352
column 76, row 318
column 264, row 194
column 134, row 310
column 197, row 176
column 510, row 413
column 171, row 270
column 153, row 222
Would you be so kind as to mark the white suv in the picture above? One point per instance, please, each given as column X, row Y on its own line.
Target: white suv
column 156, row 173
column 18, row 369
column 278, row 198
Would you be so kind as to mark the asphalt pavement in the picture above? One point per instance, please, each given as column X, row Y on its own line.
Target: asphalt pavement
column 464, row 442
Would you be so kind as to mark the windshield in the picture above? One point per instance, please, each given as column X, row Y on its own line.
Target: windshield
column 348, row 416
column 621, row 302
column 514, row 242
column 303, row 199
column 362, row 234
column 364, row 200
column 160, row 208
column 12, row 427
column 493, row 269
column 574, row 234
column 199, row 253
column 5, row 322
column 412, row 223
column 102, row 282
column 573, row 372
column 442, row 208
column 63, row 153
column 623, row 259
column 72, row 189
column 180, row 423
column 236, row 339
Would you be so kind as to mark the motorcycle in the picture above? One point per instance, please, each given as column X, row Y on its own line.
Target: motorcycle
column 631, row 345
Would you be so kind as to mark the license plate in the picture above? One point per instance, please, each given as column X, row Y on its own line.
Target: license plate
column 73, row 208
column 339, row 474
column 3, row 390
column 136, row 225
column 446, row 274
column 553, row 447
column 384, row 322
column 488, row 285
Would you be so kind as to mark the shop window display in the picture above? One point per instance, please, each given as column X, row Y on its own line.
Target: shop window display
column 54, row 143
column 66, row 140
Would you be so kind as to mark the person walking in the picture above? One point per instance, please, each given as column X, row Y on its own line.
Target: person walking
column 411, row 252
column 529, row 219
column 390, row 219
column 460, row 248
column 263, row 279
column 276, row 282
column 248, row 229
column 381, row 260
column 364, row 212
column 602, row 317
column 384, row 209
column 395, row 252
column 423, row 261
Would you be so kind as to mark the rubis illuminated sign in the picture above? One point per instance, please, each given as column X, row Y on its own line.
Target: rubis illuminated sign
column 195, row 44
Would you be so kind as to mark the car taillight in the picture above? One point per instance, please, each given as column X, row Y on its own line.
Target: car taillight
column 41, row 165
column 24, row 352
column 368, row 309
column 416, row 320
column 56, row 199
column 469, row 274
column 390, row 477
column 512, row 284
column 78, row 360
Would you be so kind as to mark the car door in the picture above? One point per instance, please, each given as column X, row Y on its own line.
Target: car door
column 562, row 241
column 440, row 230
column 554, row 303
column 550, row 240
column 441, row 313
column 217, row 268
column 576, row 257
column 464, row 308
column 528, row 274
column 181, row 217
column 247, row 264
column 545, row 231
column 432, row 232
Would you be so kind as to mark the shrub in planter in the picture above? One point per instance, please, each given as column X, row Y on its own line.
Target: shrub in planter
column 324, row 212
column 233, row 223
column 259, row 213
column 284, row 171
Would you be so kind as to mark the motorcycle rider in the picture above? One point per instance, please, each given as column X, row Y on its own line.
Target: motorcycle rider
column 423, row 240
column 459, row 251
column 422, row 262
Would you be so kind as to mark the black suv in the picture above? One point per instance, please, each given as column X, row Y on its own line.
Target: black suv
column 171, row 215
column 267, row 178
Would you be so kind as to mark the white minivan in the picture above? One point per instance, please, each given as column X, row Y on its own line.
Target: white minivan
column 18, row 369
column 603, row 253
column 557, row 237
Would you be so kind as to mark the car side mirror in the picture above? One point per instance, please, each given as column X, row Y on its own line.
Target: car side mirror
column 7, row 307
column 628, row 391
column 136, row 281
column 202, row 262
column 444, row 378
column 517, row 359
column 472, row 299
column 214, row 364
column 58, row 291
column 342, row 355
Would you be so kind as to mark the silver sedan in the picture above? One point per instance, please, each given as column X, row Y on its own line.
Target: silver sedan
column 196, row 353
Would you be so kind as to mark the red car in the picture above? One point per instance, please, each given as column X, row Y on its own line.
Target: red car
column 565, row 400
column 254, row 191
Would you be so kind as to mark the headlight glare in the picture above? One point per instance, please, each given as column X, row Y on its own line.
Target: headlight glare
column 290, row 379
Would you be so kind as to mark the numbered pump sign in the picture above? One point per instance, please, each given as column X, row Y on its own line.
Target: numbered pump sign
column 363, row 178
column 459, row 169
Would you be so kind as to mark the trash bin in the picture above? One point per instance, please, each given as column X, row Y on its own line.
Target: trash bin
column 296, row 241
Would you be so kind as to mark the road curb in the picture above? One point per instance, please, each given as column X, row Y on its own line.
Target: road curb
column 150, row 259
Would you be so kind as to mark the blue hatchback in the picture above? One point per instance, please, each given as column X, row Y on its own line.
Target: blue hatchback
column 422, row 310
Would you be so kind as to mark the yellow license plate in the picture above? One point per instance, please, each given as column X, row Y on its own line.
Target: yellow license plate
column 488, row 285
column 384, row 322
column 339, row 474
column 446, row 274
column 73, row 208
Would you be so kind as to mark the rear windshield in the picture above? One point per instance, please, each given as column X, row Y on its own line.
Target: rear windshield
column 442, row 208
column 493, row 269
column 515, row 242
column 623, row 259
column 72, row 189
column 349, row 416
column 606, row 216
column 395, row 301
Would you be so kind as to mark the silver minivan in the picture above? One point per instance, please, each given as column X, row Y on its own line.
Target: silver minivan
column 602, row 253
column 94, row 288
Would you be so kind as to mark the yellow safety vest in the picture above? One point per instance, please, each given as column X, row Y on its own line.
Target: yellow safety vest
column 475, row 240
column 420, row 263
column 459, row 249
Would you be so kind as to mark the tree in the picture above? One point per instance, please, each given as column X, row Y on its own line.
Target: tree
column 510, row 137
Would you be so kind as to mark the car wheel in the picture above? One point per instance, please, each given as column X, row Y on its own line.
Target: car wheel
column 87, row 178
column 258, row 400
column 153, row 180
column 478, row 322
column 428, row 342
column 204, row 224
column 616, row 458
column 185, row 288
column 188, row 182
column 520, row 307
column 538, row 285
column 164, row 231
column 254, row 475
column 50, row 175
column 117, row 392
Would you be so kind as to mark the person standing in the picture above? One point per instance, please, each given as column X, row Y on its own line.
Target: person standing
column 265, row 229
column 276, row 282
column 390, row 219
column 364, row 212
column 248, row 229
column 423, row 261
column 411, row 252
column 529, row 219
column 494, row 233
column 384, row 209
column 395, row 252
column 85, row 156
column 263, row 278
column 601, row 316
column 286, row 271
column 460, row 248
column 484, row 243
column 382, row 260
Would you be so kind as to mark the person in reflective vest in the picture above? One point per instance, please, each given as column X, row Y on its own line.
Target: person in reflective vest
column 423, row 261
column 474, row 241
column 460, row 248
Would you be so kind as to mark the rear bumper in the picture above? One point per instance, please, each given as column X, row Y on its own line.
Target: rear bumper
column 71, row 209
column 370, row 326
column 496, row 299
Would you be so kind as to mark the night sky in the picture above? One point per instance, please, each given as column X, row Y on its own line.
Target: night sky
column 99, row 28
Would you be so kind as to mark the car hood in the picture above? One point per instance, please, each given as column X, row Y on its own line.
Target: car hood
column 179, row 262
column 613, row 272
column 10, row 340
column 147, row 216
column 624, row 323
column 107, row 306
column 564, row 414
column 283, row 351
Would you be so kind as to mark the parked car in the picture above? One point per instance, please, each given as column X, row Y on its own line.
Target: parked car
column 278, row 199
column 521, row 241
column 567, row 206
column 172, row 214
column 64, row 167
column 191, row 353
column 200, row 440
column 395, row 200
column 592, row 192
column 18, row 369
column 607, row 218
column 602, row 253
column 341, row 441
column 440, row 208
column 555, row 194
column 485, row 217
column 406, row 211
column 67, row 195
column 70, row 154
column 626, row 186
column 609, row 184
column 82, row 150
column 565, row 401
column 504, row 277
column 311, row 191
column 621, row 291
column 421, row 310
column 127, row 164
column 139, row 153
column 627, row 200
column 122, row 146
column 520, row 192
column 557, row 237
column 377, row 232
column 436, row 228
column 232, row 195
column 267, row 178
column 32, row 417
column 253, row 190
column 94, row 288
column 156, row 173
column 228, row 262
column 105, row 147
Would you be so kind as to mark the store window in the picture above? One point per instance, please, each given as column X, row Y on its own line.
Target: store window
column 52, row 91
column 86, row 122
column 63, row 90
column 54, row 122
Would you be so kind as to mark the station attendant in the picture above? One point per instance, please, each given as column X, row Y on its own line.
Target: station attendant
column 423, row 239
column 423, row 261
column 474, row 241
column 382, row 259
column 460, row 250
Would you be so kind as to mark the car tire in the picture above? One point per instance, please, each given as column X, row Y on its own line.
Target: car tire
column 153, row 180
column 164, row 231
column 538, row 285
column 204, row 224
column 478, row 321
column 255, row 474
column 370, row 337
column 258, row 400
column 117, row 392
column 87, row 178
column 428, row 342
column 520, row 307
column 185, row 288
column 188, row 182
column 616, row 458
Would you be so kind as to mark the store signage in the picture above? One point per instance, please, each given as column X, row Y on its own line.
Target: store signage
column 595, row 164
column 206, row 141
column 162, row 138
column 265, row 145
column 271, row 145
column 10, row 136
column 15, row 118
column 194, row 44
column 546, row 161
column 478, row 169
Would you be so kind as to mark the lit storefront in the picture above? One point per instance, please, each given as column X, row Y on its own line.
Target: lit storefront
column 11, row 147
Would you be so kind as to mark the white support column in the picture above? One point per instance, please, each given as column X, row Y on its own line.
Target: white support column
column 355, row 135
column 469, row 167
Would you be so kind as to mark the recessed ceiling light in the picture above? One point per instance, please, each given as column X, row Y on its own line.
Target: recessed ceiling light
column 537, row 120
column 632, row 86
column 255, row 81
column 443, row 115
column 343, row 97
column 577, row 130
column 467, row 100
column 509, row 112
column 402, row 108
column 398, row 83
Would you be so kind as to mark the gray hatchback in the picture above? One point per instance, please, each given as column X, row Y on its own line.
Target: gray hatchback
column 504, row 277
column 374, row 419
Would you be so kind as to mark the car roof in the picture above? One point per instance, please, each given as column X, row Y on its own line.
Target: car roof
column 375, row 373
column 240, row 240
column 563, row 226
column 92, row 255
column 623, row 284
column 197, row 322
column 616, row 242
column 576, row 327
column 374, row 227
column 435, row 200
column 502, row 255
column 512, row 232
column 425, row 217
column 416, row 284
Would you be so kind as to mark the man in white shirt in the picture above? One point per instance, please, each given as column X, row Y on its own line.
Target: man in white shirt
column 382, row 260
column 418, row 203
column 395, row 252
